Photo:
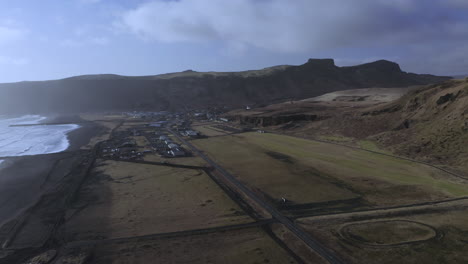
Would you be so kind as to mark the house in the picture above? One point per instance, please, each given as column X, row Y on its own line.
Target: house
column 191, row 133
column 177, row 152
column 172, row 146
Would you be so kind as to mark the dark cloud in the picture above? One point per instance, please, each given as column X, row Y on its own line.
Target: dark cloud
column 300, row 25
column 305, row 25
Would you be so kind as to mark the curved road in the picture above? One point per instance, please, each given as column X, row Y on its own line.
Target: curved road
column 299, row 232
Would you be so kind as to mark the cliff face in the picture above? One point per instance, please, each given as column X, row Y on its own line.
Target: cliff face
column 194, row 89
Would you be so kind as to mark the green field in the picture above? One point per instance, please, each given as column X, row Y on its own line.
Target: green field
column 248, row 246
column 306, row 171
column 387, row 233
column 209, row 131
column 405, row 238
column 126, row 199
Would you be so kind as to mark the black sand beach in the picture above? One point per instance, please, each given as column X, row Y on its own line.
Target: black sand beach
column 24, row 179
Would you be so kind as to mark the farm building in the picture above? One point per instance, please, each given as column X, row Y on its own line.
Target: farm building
column 177, row 152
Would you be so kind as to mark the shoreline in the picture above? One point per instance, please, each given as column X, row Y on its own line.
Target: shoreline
column 31, row 176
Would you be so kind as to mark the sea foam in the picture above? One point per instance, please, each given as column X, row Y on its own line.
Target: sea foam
column 32, row 140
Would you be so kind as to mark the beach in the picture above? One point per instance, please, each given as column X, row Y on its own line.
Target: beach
column 24, row 179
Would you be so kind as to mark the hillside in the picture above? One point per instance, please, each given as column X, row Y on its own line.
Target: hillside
column 429, row 123
column 191, row 89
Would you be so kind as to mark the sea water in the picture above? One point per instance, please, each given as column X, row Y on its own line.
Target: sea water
column 32, row 140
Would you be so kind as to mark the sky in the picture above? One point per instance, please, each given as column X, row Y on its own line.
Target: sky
column 53, row 39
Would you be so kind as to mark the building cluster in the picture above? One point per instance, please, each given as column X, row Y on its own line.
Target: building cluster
column 123, row 150
column 148, row 115
column 189, row 133
column 167, row 147
column 210, row 114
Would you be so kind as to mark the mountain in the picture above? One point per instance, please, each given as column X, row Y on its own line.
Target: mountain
column 428, row 123
column 190, row 89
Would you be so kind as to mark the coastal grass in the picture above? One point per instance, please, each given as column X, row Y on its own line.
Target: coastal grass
column 189, row 161
column 209, row 131
column 271, row 173
column 336, row 138
column 107, row 126
column 372, row 146
column 126, row 199
column 251, row 245
column 405, row 238
column 382, row 233
column 376, row 177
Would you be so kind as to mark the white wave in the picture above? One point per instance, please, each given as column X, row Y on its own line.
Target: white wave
column 32, row 140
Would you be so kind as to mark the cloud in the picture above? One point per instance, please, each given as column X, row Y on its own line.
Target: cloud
column 102, row 41
column 458, row 3
column 296, row 26
column 85, row 41
column 4, row 60
column 10, row 34
column 89, row 1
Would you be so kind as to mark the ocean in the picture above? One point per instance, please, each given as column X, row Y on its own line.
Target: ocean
column 32, row 140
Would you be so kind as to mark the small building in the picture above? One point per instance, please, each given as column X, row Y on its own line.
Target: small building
column 177, row 152
column 191, row 133
column 173, row 146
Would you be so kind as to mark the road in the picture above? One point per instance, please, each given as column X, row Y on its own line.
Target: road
column 295, row 229
column 83, row 243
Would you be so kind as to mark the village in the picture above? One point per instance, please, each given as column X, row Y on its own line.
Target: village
column 150, row 136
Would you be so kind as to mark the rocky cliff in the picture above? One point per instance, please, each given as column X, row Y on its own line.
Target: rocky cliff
column 196, row 89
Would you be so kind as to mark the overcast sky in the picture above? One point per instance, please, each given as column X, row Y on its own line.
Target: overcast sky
column 50, row 39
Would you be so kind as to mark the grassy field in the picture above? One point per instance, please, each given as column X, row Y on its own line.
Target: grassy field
column 101, row 117
column 209, row 131
column 370, row 145
column 364, row 144
column 271, row 173
column 247, row 246
column 338, row 139
column 387, row 233
column 306, row 171
column 107, row 126
column 127, row 199
column 190, row 161
column 371, row 237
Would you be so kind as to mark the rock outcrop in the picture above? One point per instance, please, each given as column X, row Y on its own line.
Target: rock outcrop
column 192, row 89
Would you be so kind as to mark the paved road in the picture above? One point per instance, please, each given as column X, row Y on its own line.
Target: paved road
column 299, row 232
